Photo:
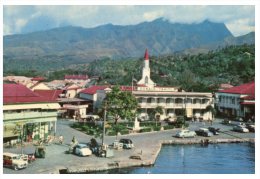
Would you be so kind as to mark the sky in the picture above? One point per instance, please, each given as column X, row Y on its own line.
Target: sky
column 239, row 19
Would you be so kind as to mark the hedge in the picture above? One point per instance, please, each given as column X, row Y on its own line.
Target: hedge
column 148, row 129
column 168, row 127
column 157, row 128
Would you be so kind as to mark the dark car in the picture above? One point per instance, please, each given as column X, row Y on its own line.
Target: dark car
column 214, row 130
column 204, row 132
column 250, row 127
column 127, row 143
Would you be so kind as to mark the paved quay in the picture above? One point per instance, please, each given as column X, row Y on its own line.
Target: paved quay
column 147, row 145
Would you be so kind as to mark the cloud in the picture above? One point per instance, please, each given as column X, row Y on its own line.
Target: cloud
column 22, row 19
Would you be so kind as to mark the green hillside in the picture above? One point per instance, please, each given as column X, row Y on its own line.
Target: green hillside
column 202, row 72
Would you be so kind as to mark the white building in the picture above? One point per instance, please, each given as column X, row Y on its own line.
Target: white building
column 150, row 96
column 238, row 101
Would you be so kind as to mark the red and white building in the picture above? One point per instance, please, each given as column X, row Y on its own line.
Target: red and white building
column 150, row 96
column 238, row 101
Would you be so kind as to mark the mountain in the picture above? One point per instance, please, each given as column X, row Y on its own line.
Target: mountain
column 228, row 41
column 60, row 47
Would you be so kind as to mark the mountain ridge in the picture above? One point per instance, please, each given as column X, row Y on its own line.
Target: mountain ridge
column 77, row 45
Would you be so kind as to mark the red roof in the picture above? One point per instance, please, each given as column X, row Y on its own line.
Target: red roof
column 141, row 85
column 39, row 78
column 76, row 77
column 247, row 88
column 93, row 89
column 126, row 88
column 146, row 55
column 17, row 93
column 49, row 94
column 248, row 103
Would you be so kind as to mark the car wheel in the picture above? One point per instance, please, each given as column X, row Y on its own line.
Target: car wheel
column 15, row 167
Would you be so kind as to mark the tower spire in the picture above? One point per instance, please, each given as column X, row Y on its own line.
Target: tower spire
column 146, row 55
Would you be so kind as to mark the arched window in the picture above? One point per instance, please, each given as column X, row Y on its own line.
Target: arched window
column 146, row 80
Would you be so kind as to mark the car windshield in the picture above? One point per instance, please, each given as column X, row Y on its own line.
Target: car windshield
column 126, row 141
column 82, row 146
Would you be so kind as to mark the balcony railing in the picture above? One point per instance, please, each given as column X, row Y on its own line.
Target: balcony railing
column 173, row 105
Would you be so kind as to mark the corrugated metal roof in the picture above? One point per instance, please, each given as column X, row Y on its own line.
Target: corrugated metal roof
column 93, row 89
column 247, row 88
column 16, row 93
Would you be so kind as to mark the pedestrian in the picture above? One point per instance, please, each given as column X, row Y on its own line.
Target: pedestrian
column 61, row 139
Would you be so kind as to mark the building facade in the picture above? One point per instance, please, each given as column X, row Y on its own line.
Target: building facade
column 238, row 101
column 150, row 96
column 27, row 115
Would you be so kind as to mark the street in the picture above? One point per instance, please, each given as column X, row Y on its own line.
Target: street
column 146, row 144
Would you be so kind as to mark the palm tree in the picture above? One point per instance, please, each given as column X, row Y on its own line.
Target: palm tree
column 212, row 110
column 157, row 112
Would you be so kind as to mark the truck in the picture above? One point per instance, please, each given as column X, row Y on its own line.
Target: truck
column 14, row 161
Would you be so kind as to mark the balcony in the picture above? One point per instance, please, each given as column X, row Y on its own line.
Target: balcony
column 173, row 105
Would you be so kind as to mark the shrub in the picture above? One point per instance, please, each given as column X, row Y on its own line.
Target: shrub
column 186, row 125
column 147, row 129
column 156, row 128
column 85, row 128
column 111, row 133
column 91, row 132
column 168, row 127
column 125, row 131
column 76, row 125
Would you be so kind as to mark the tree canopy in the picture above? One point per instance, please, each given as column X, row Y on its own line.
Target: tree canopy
column 120, row 104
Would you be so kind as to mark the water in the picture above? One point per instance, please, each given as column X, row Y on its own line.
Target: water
column 197, row 159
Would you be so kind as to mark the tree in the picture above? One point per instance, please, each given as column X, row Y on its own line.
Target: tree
column 120, row 104
column 212, row 110
column 156, row 112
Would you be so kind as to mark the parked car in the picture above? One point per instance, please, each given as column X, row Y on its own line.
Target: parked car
column 28, row 157
column 226, row 121
column 214, row 130
column 82, row 150
column 204, row 132
column 185, row 133
column 250, row 127
column 240, row 128
column 14, row 161
column 127, row 143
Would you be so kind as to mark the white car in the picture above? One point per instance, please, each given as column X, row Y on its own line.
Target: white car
column 240, row 128
column 82, row 150
column 185, row 133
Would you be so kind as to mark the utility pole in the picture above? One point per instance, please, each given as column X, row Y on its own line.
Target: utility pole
column 185, row 112
column 104, row 123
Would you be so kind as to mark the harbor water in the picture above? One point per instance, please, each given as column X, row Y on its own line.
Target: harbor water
column 234, row 158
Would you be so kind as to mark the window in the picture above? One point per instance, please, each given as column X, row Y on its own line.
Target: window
column 233, row 100
column 146, row 80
